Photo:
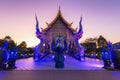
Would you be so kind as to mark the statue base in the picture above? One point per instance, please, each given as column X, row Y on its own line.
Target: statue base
column 59, row 61
column 59, row 65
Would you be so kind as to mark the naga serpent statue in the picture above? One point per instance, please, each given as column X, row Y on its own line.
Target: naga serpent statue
column 59, row 45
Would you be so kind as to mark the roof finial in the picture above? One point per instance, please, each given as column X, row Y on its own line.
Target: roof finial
column 59, row 7
column 59, row 11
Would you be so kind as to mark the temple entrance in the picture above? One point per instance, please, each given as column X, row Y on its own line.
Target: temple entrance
column 59, row 36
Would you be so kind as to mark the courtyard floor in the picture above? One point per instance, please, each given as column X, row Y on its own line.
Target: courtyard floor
column 90, row 69
column 69, row 64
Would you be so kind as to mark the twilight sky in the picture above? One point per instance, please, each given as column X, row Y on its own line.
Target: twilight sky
column 100, row 17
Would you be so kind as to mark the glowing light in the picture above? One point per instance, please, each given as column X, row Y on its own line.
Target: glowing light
column 36, row 59
column 97, row 60
column 82, row 59
column 53, row 56
column 64, row 56
column 86, row 58
column 44, row 44
column 97, row 65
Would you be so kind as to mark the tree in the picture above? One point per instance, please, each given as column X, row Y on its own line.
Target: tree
column 11, row 42
column 23, row 45
column 1, row 42
column 90, row 44
column 8, row 38
column 22, row 48
column 101, row 42
column 91, row 40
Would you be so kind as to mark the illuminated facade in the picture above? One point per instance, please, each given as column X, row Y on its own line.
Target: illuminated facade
column 59, row 26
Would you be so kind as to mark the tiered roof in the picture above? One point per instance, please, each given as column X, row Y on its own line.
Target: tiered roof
column 59, row 15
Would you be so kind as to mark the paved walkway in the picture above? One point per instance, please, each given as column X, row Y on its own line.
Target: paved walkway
column 91, row 69
column 49, row 64
column 59, row 75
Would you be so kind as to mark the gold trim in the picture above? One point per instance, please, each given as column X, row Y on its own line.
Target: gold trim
column 59, row 14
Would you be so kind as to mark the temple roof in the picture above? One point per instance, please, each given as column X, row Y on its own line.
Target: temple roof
column 59, row 15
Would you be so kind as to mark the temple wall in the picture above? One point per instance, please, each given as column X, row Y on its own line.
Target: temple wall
column 59, row 27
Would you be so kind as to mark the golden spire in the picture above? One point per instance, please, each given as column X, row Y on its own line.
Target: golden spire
column 59, row 7
column 59, row 11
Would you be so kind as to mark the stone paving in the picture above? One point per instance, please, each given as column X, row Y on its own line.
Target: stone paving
column 49, row 64
column 90, row 69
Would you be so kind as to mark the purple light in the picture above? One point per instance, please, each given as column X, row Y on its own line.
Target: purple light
column 36, row 59
column 94, row 65
column 65, row 56
column 70, row 63
column 2, row 73
column 53, row 56
column 97, row 65
column 82, row 59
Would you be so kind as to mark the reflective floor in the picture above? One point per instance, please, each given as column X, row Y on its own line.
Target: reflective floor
column 90, row 69
column 49, row 64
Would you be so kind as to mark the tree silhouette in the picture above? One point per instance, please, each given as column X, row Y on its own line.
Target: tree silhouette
column 1, row 42
column 90, row 40
column 10, row 41
column 23, row 45
column 101, row 42
column 22, row 49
